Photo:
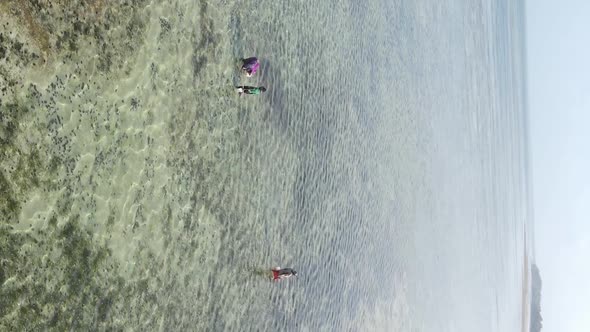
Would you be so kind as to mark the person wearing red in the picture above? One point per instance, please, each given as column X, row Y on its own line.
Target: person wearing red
column 278, row 273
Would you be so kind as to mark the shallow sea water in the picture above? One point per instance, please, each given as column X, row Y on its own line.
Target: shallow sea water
column 386, row 163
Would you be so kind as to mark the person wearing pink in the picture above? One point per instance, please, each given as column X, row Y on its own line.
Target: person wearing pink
column 250, row 66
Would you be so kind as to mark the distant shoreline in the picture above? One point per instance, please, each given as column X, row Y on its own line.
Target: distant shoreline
column 526, row 289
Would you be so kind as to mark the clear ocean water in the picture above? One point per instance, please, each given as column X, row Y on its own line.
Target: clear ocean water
column 386, row 163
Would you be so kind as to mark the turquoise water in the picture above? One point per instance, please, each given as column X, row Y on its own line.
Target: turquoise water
column 386, row 163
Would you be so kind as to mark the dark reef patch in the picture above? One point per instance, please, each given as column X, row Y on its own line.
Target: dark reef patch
column 205, row 40
column 54, row 274
column 80, row 277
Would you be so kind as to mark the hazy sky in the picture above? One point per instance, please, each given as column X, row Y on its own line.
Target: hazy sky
column 558, row 35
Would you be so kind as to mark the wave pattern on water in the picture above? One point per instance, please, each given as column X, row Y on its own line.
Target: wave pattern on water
column 140, row 192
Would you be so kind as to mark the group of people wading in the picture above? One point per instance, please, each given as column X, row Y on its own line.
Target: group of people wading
column 249, row 67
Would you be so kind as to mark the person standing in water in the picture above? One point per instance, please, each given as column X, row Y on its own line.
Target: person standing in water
column 250, row 66
column 278, row 273
column 250, row 90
